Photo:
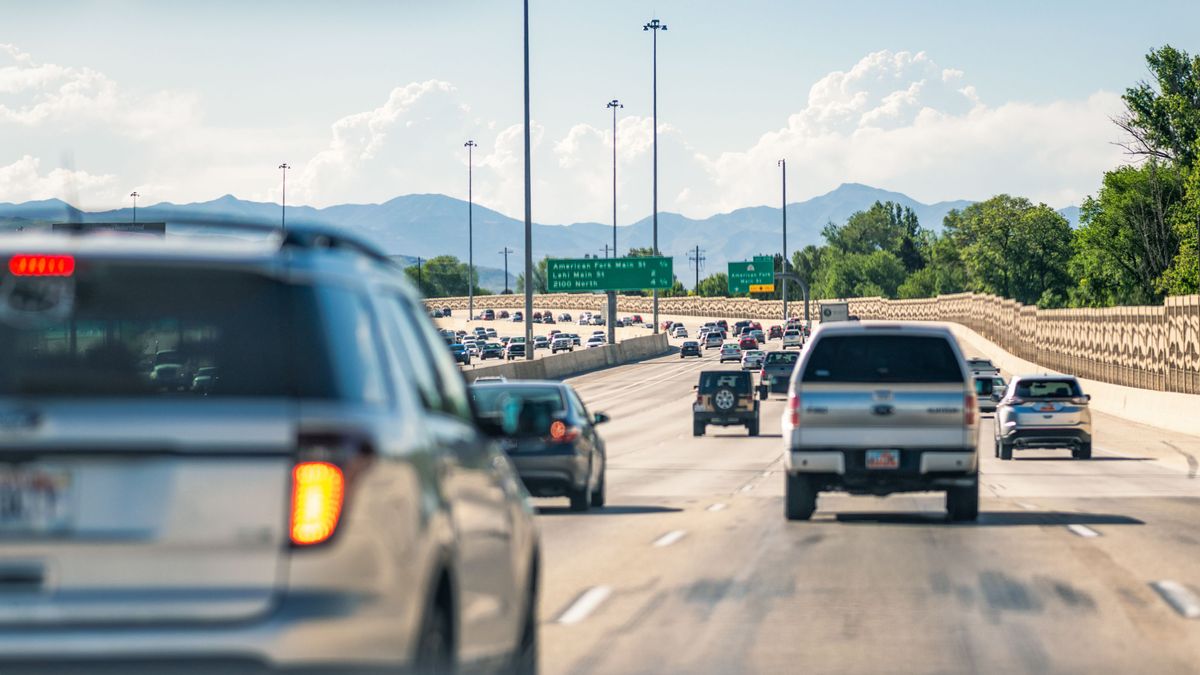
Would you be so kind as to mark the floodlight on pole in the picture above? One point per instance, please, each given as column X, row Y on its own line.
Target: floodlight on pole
column 283, row 197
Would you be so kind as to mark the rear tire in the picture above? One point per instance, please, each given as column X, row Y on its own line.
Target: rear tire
column 580, row 499
column 962, row 503
column 1006, row 450
column 1084, row 451
column 698, row 428
column 525, row 656
column 434, row 654
column 752, row 427
column 598, row 495
column 800, row 499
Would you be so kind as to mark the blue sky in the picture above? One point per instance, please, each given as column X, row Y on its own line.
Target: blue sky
column 367, row 100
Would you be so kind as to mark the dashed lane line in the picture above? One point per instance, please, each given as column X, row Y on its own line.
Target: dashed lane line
column 1179, row 597
column 719, row 506
column 669, row 538
column 584, row 605
column 1083, row 530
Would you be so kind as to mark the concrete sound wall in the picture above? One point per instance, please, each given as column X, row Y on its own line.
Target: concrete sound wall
column 559, row 366
column 1151, row 347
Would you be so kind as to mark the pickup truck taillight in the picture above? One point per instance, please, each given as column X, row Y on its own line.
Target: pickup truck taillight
column 793, row 408
column 969, row 409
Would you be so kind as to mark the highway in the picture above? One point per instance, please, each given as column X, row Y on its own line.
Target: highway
column 691, row 568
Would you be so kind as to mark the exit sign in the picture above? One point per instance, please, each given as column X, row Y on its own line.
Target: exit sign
column 580, row 275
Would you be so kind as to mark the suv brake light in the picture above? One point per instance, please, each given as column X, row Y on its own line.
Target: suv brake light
column 793, row 408
column 561, row 433
column 318, row 492
column 969, row 408
column 23, row 265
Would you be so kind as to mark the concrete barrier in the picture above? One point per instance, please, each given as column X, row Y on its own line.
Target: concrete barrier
column 559, row 366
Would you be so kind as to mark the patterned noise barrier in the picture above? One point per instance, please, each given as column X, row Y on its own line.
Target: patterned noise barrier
column 1151, row 347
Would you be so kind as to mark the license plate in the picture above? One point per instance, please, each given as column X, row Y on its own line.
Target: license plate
column 1047, row 407
column 34, row 500
column 883, row 459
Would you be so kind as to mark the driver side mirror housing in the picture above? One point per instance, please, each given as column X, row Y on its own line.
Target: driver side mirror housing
column 600, row 418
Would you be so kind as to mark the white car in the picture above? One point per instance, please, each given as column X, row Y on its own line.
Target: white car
column 562, row 343
column 595, row 341
column 585, row 318
column 679, row 332
column 752, row 359
column 793, row 338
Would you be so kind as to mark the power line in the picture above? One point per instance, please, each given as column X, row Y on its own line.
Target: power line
column 697, row 258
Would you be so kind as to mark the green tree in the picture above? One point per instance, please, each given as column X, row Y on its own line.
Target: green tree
column 1163, row 116
column 1183, row 276
column 443, row 276
column 539, row 278
column 853, row 275
column 714, row 285
column 1127, row 239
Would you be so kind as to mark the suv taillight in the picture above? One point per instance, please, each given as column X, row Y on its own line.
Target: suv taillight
column 560, row 432
column 325, row 469
column 793, row 408
column 969, row 408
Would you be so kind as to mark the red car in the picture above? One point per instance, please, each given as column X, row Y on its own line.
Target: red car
column 637, row 318
column 747, row 343
column 776, row 333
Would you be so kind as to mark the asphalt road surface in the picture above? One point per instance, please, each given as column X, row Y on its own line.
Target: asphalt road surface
column 691, row 568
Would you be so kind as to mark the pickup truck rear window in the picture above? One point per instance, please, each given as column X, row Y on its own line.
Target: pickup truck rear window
column 882, row 358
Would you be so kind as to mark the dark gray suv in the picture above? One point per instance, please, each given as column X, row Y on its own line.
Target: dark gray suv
column 328, row 502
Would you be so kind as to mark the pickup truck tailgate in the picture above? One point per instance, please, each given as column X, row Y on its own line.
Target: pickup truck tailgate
column 849, row 416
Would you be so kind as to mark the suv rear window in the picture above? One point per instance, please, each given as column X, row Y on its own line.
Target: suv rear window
column 782, row 357
column 1048, row 389
column 739, row 381
column 882, row 358
column 141, row 330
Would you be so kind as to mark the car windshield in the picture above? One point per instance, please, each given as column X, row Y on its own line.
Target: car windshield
column 882, row 358
column 1048, row 389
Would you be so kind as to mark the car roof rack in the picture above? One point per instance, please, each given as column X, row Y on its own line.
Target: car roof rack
column 315, row 237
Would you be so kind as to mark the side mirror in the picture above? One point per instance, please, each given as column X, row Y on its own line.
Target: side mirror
column 1087, row 397
column 996, row 396
column 600, row 418
column 696, row 387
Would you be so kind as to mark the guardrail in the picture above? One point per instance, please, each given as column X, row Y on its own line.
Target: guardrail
column 1150, row 347
column 558, row 366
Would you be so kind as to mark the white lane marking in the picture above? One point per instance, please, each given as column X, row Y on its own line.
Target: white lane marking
column 584, row 605
column 1083, row 530
column 669, row 538
column 1179, row 598
column 717, row 507
column 1027, row 507
column 766, row 474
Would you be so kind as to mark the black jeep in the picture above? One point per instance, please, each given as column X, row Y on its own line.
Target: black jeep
column 725, row 398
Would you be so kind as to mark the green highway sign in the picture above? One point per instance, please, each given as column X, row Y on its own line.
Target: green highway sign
column 753, row 276
column 575, row 275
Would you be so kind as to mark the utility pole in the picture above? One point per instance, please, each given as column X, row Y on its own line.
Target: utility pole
column 283, row 198
column 470, row 146
column 614, row 104
column 420, row 285
column 607, row 249
column 783, row 209
column 135, row 195
column 698, row 260
column 528, row 210
column 654, row 26
column 505, row 253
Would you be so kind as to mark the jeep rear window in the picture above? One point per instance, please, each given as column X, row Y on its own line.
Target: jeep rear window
column 152, row 330
column 738, row 381
column 882, row 358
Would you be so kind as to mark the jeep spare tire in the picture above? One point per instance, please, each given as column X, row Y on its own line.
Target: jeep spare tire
column 724, row 399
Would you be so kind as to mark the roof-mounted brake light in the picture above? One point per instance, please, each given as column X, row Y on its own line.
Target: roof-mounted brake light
column 26, row 265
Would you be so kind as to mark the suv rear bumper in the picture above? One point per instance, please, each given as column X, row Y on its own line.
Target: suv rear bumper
column 342, row 633
column 552, row 474
column 733, row 418
column 1047, row 437
column 919, row 470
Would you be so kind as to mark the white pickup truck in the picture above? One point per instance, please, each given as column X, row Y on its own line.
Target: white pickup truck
column 877, row 408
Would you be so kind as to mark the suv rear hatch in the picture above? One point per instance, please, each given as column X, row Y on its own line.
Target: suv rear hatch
column 1049, row 403
column 879, row 390
column 126, row 498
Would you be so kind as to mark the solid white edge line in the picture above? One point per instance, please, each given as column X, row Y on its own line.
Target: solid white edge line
column 1179, row 597
column 669, row 538
column 584, row 605
column 719, row 506
column 1083, row 530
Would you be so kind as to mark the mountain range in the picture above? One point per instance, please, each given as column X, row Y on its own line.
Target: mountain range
column 427, row 225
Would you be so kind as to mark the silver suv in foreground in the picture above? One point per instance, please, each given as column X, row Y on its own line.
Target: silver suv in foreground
column 327, row 502
column 878, row 408
column 1044, row 411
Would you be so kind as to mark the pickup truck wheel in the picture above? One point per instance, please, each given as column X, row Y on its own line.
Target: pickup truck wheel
column 752, row 427
column 698, row 428
column 1084, row 451
column 962, row 503
column 1006, row 450
column 800, row 500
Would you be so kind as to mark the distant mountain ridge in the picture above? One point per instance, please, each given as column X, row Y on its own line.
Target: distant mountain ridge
column 427, row 225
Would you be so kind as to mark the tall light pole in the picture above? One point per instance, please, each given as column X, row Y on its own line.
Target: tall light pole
column 505, row 253
column 470, row 146
column 135, row 195
column 283, row 199
column 654, row 26
column 528, row 209
column 614, row 104
column 783, row 209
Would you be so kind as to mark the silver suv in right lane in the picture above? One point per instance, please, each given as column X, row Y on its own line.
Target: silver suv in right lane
column 1044, row 411
column 879, row 408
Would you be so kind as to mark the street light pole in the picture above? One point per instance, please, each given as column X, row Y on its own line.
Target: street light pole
column 654, row 26
column 283, row 198
column 614, row 104
column 505, row 253
column 470, row 146
column 135, row 195
column 783, row 165
column 528, row 210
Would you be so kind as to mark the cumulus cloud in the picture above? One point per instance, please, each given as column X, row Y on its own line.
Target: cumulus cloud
column 23, row 181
